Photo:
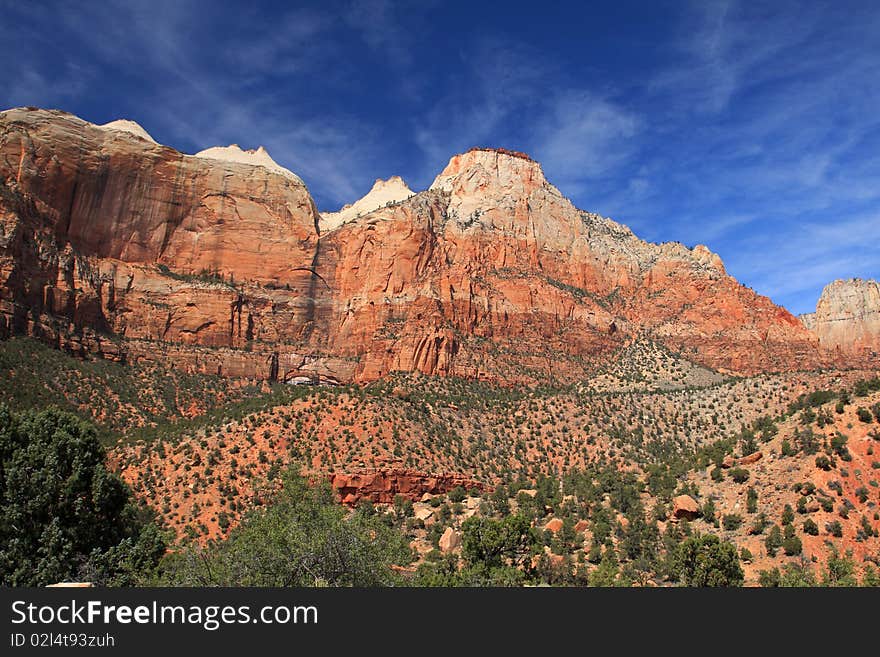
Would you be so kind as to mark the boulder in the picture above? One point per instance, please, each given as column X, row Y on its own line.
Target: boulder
column 450, row 541
column 685, row 506
column 554, row 525
column 751, row 458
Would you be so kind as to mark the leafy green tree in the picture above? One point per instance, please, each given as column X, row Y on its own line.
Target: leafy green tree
column 63, row 515
column 770, row 578
column 708, row 561
column 708, row 511
column 739, row 475
column 403, row 506
column 760, row 524
column 500, row 501
column 798, row 574
column 305, row 538
column 495, row 543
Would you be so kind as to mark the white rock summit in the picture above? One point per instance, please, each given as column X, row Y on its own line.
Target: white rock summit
column 124, row 125
column 383, row 192
column 258, row 158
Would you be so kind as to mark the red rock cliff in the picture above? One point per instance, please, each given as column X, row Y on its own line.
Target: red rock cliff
column 114, row 245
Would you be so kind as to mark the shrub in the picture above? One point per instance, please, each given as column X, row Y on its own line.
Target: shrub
column 305, row 538
column 731, row 522
column 770, row 578
column 811, row 527
column 457, row 494
column 739, row 475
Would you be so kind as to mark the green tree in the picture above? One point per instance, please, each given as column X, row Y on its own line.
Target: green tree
column 494, row 543
column 791, row 544
column 770, row 578
column 798, row 574
column 773, row 541
column 708, row 511
column 870, row 576
column 305, row 538
column 839, row 570
column 607, row 573
column 63, row 515
column 751, row 500
column 708, row 561
column 810, row 527
column 739, row 475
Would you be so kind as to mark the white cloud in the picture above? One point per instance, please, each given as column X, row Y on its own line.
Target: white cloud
column 582, row 137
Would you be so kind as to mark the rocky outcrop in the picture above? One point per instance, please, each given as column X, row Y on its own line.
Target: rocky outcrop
column 382, row 486
column 847, row 318
column 113, row 245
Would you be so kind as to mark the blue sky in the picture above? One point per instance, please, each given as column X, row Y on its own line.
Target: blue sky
column 751, row 127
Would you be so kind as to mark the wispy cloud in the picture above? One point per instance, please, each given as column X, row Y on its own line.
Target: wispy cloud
column 584, row 137
column 516, row 99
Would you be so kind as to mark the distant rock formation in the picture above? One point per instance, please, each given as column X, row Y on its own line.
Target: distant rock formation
column 847, row 317
column 383, row 485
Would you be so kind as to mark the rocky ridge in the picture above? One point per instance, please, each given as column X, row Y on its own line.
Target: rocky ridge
column 115, row 246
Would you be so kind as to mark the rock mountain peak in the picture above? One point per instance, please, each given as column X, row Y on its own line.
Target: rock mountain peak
column 492, row 273
column 254, row 157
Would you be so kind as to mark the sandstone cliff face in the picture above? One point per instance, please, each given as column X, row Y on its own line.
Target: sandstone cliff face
column 847, row 318
column 113, row 245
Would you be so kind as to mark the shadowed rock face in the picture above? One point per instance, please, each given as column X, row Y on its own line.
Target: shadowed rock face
column 114, row 245
column 847, row 318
